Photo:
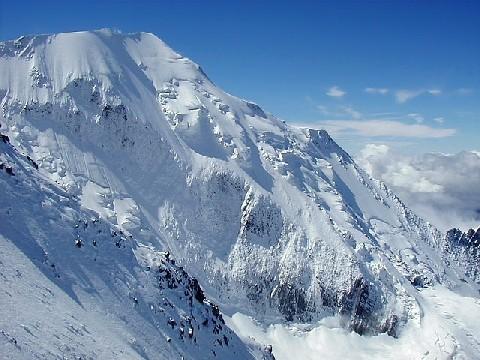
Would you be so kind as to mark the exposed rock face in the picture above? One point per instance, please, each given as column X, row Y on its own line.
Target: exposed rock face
column 463, row 249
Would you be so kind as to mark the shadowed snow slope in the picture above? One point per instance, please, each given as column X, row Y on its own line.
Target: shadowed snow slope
column 73, row 286
column 275, row 221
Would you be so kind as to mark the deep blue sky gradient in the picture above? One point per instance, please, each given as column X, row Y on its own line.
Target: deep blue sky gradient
column 286, row 55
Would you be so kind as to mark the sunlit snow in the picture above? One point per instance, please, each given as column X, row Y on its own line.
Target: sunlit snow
column 449, row 329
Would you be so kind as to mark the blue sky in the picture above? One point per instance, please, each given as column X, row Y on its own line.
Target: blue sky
column 404, row 73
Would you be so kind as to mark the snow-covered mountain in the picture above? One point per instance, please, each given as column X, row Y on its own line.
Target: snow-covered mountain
column 74, row 286
column 274, row 221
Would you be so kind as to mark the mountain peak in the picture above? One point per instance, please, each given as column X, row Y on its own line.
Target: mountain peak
column 48, row 63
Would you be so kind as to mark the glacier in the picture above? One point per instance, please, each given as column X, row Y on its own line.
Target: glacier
column 275, row 222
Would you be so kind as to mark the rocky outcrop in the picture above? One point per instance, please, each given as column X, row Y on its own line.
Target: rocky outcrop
column 463, row 249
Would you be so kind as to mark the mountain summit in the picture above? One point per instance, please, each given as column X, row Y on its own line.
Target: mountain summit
column 273, row 220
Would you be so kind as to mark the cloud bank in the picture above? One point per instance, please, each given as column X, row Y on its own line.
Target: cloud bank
column 379, row 127
column 443, row 189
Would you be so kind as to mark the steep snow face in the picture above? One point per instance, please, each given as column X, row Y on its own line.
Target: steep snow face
column 274, row 220
column 74, row 286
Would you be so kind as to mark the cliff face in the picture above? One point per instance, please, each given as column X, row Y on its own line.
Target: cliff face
column 463, row 250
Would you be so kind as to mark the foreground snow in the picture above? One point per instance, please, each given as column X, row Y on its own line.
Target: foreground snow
column 72, row 286
column 449, row 329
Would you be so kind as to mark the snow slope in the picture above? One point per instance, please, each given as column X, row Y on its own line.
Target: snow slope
column 449, row 330
column 275, row 221
column 74, row 286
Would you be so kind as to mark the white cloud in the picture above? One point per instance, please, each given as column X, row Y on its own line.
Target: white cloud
column 335, row 91
column 352, row 112
column 443, row 189
column 379, row 127
column 380, row 91
column 435, row 92
column 404, row 95
column 372, row 151
column 439, row 120
column 339, row 111
column 323, row 109
column 417, row 117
